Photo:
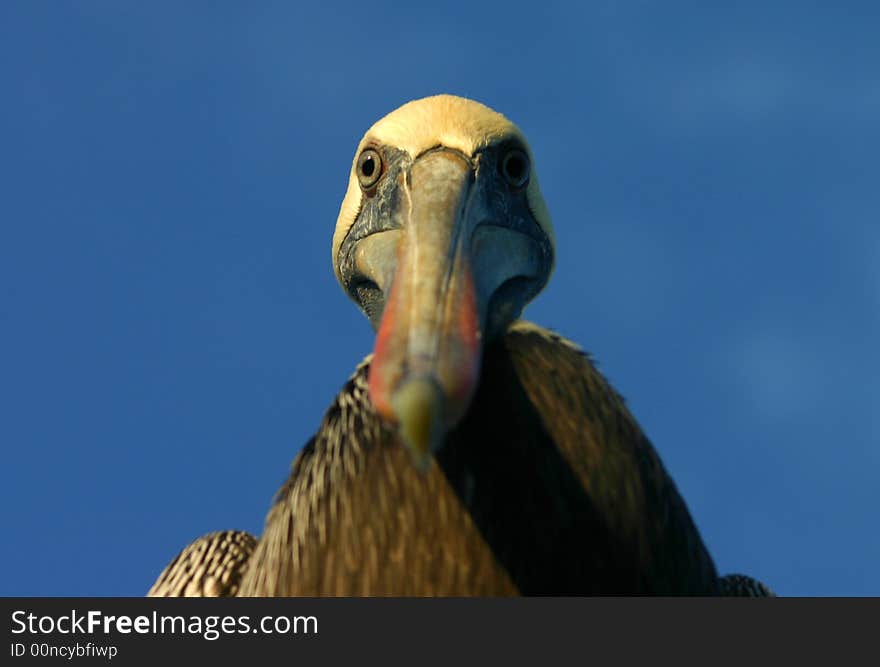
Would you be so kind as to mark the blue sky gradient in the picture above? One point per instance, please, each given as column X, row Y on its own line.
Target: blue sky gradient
column 170, row 327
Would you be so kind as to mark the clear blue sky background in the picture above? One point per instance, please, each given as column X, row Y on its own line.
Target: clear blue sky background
column 170, row 327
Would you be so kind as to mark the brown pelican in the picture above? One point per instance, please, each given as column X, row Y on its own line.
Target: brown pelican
column 472, row 453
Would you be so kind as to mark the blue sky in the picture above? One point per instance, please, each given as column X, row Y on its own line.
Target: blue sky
column 170, row 327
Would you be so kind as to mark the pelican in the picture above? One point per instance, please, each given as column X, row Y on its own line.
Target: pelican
column 472, row 453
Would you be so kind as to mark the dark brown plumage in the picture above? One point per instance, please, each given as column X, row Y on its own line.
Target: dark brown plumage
column 743, row 586
column 548, row 486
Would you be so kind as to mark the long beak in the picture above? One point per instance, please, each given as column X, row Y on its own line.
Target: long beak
column 427, row 356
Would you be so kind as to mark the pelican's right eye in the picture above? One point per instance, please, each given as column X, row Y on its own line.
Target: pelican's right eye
column 369, row 168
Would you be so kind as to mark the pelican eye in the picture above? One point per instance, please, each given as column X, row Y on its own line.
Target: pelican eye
column 369, row 168
column 515, row 167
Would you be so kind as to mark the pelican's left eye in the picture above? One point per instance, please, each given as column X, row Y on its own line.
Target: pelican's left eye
column 369, row 168
column 515, row 167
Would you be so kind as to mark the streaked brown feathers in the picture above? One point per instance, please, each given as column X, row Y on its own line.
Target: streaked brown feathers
column 211, row 566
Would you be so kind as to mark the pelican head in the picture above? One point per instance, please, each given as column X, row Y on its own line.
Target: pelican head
column 442, row 238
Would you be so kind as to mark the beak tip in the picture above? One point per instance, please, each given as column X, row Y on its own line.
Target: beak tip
column 418, row 407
